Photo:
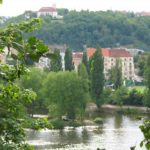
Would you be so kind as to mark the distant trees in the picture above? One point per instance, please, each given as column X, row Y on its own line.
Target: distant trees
column 56, row 64
column 68, row 60
column 91, row 28
column 97, row 76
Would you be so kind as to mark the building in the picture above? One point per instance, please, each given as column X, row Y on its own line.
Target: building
column 143, row 13
column 110, row 56
column 135, row 52
column 44, row 11
column 62, row 49
column 77, row 59
column 49, row 11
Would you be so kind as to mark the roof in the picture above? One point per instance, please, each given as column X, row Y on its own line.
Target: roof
column 47, row 9
column 107, row 52
column 77, row 54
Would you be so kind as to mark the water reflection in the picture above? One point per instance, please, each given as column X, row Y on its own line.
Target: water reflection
column 119, row 132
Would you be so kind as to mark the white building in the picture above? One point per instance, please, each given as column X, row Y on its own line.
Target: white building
column 49, row 11
column 44, row 11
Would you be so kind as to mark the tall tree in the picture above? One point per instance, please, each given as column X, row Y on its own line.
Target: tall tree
column 82, row 72
column 85, row 61
column 115, row 74
column 97, row 76
column 56, row 64
column 147, row 81
column 68, row 60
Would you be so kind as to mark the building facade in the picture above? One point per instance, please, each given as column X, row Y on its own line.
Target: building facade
column 77, row 59
column 111, row 56
column 51, row 11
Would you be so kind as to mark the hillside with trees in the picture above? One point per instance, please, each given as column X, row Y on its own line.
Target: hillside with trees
column 88, row 28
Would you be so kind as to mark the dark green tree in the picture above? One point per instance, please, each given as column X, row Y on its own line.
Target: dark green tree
column 115, row 74
column 85, row 61
column 147, row 81
column 97, row 76
column 68, row 60
column 56, row 64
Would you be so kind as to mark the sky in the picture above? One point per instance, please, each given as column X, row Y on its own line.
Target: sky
column 16, row 7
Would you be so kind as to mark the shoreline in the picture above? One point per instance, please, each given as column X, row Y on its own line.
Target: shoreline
column 125, row 109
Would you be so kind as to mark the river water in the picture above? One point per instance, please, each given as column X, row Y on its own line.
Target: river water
column 118, row 132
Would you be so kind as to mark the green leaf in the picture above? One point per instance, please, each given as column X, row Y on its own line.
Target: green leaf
column 51, row 56
column 14, row 56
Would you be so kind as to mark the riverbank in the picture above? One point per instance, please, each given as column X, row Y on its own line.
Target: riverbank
column 125, row 109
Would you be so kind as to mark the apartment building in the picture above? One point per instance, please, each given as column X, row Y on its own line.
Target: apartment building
column 111, row 55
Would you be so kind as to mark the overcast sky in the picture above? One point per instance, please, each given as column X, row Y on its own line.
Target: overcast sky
column 16, row 7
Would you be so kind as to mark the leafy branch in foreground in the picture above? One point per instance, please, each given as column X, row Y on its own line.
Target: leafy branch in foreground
column 12, row 97
column 145, row 128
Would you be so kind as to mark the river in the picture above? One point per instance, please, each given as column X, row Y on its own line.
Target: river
column 118, row 132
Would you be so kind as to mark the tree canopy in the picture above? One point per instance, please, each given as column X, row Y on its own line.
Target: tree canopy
column 107, row 28
column 97, row 76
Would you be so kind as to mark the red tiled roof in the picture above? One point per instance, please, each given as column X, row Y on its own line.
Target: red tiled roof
column 90, row 52
column 107, row 52
column 47, row 9
column 119, row 53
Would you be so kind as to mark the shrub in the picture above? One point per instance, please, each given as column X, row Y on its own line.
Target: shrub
column 38, row 124
column 58, row 124
column 98, row 120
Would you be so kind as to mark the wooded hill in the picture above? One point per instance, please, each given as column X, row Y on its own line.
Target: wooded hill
column 88, row 28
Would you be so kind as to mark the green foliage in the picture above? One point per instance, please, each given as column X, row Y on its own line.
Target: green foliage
column 134, row 98
column 106, row 95
column 34, row 80
column 147, row 97
column 68, row 60
column 58, row 124
column 109, row 28
column 145, row 128
column 97, row 76
column 120, row 95
column 115, row 74
column 147, row 80
column 37, row 124
column 147, row 72
column 65, row 90
column 55, row 64
column 85, row 62
column 12, row 97
column 82, row 72
column 98, row 120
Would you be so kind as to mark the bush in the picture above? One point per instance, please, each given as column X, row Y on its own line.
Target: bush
column 58, row 124
column 75, row 123
column 134, row 98
column 98, row 120
column 37, row 124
